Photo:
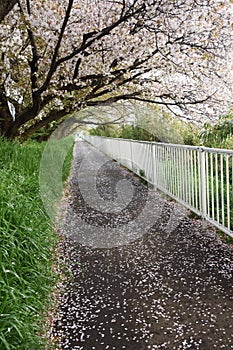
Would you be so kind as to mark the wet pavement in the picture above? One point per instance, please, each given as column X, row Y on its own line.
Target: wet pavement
column 137, row 282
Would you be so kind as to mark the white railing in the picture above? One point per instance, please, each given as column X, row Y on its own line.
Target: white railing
column 198, row 177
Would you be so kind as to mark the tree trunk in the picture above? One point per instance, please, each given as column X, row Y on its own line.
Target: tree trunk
column 52, row 116
column 6, row 119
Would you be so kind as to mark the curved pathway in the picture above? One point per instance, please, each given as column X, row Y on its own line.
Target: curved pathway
column 152, row 288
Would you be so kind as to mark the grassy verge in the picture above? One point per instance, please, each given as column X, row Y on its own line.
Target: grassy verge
column 27, row 244
column 67, row 165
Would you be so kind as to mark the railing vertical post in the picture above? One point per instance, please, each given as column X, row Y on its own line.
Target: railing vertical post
column 131, row 155
column 154, row 166
column 198, row 177
column 203, row 181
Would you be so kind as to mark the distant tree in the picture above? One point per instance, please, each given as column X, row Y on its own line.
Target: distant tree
column 107, row 130
column 151, row 124
column 57, row 57
column 219, row 134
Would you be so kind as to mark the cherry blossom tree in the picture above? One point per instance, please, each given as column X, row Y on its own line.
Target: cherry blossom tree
column 59, row 57
column 5, row 7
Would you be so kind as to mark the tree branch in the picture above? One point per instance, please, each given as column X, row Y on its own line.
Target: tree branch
column 54, row 115
column 35, row 56
column 86, row 43
column 5, row 7
column 54, row 65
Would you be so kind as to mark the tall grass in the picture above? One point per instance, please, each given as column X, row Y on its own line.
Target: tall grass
column 27, row 244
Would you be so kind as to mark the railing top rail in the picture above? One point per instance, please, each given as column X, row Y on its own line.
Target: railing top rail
column 196, row 176
column 218, row 150
column 163, row 144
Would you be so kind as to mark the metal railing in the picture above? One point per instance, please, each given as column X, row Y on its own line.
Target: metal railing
column 200, row 178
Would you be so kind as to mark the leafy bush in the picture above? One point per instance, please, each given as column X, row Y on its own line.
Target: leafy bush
column 219, row 135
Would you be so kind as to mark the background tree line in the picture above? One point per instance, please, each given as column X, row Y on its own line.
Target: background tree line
column 169, row 130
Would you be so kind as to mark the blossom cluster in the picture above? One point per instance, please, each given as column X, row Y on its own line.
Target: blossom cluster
column 172, row 52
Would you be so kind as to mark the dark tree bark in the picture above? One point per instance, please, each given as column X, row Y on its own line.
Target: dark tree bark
column 5, row 7
column 5, row 115
column 54, row 115
column 44, row 81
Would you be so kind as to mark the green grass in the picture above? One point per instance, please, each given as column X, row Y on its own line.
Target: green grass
column 67, row 165
column 225, row 238
column 27, row 243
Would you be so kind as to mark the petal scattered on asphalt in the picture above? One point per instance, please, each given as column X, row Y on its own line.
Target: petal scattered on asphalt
column 161, row 290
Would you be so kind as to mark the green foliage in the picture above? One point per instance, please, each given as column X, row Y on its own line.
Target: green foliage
column 26, row 247
column 220, row 134
column 225, row 238
column 142, row 173
column 153, row 125
column 189, row 134
column 135, row 132
column 55, row 161
column 67, row 165
column 108, row 130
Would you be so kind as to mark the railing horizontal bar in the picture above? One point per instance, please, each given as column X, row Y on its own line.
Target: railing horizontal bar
column 208, row 149
column 200, row 178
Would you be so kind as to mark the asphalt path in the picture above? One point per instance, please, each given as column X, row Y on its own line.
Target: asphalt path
column 141, row 273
